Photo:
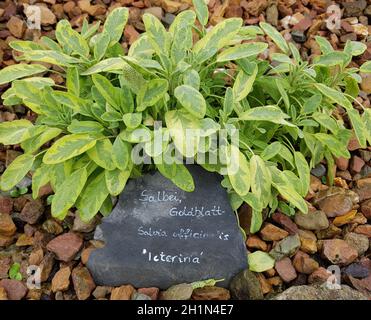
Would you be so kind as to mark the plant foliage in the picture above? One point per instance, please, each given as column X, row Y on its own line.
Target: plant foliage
column 187, row 77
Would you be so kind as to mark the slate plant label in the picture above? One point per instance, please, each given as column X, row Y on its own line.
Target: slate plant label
column 159, row 235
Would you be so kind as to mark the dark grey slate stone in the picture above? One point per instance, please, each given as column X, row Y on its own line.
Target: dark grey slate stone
column 158, row 235
column 356, row 270
column 319, row 170
column 298, row 36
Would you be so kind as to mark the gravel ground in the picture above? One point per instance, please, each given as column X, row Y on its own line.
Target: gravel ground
column 337, row 230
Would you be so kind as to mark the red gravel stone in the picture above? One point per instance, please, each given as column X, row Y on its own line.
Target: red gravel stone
column 286, row 270
column 152, row 292
column 15, row 289
column 32, row 211
column 285, row 222
column 65, row 246
column 6, row 204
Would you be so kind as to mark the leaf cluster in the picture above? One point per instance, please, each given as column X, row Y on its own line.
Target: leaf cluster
column 188, row 78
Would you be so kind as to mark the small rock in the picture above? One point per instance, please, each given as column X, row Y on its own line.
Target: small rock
column 338, row 251
column 84, row 227
column 285, row 269
column 359, row 218
column 36, row 257
column 15, row 289
column 286, row 247
column 254, row 8
column 353, row 144
column 181, row 291
column 336, row 205
column 59, row 296
column 354, row 8
column 52, row 226
column 151, row 292
column 317, row 292
column 171, row 6
column 32, row 211
column 363, row 189
column 5, row 264
column 21, row 201
column 271, row 15
column 298, row 36
column 319, row 170
column 365, row 229
column 156, row 11
column 102, row 292
column 303, row 24
column 308, row 241
column 7, row 226
column 344, row 175
column 61, row 280
column 3, row 295
column 211, row 293
column 313, row 220
column 344, row 219
column 356, row 164
column 356, row 270
column 285, row 222
column 6, row 204
column 362, row 285
column 122, row 293
column 329, row 233
column 233, row 11
column 315, row 183
column 270, row 232
column 348, row 37
column 24, row 240
column 46, row 266
column 6, row 241
column 304, row 264
column 93, row 10
column 254, row 242
column 83, row 283
column 45, row 190
column 65, row 246
column 41, row 239
column 340, row 182
column 140, row 296
column 16, row 26
column 131, row 34
column 366, row 209
column 246, row 286
column 365, row 171
column 168, row 19
column 365, row 155
column 342, row 163
column 319, row 276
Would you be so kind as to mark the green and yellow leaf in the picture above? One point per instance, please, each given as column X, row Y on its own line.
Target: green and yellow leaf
column 68, row 147
column 67, row 194
column 16, row 171
column 17, row 71
column 101, row 154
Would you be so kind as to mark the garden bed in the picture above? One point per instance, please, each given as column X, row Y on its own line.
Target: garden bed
column 335, row 231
